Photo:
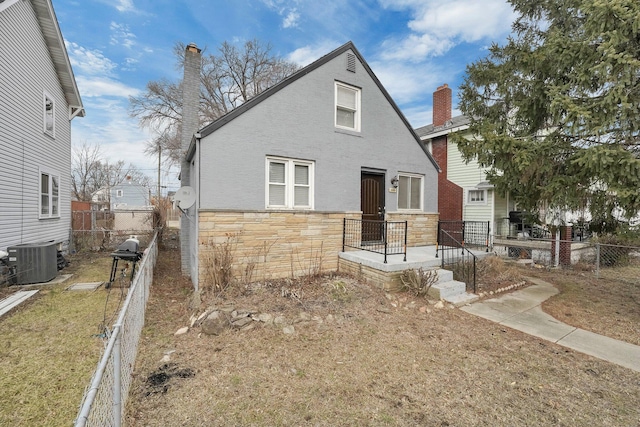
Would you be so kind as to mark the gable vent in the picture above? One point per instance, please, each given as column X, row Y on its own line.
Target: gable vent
column 351, row 62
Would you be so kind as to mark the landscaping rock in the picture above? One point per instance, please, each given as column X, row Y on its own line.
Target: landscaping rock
column 265, row 318
column 289, row 330
column 214, row 325
column 181, row 331
column 240, row 322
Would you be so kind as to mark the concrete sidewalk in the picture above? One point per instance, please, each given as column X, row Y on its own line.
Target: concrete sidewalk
column 521, row 310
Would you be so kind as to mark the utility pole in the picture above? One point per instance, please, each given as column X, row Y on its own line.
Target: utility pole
column 159, row 161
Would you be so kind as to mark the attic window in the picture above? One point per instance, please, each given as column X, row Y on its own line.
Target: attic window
column 347, row 107
column 49, row 115
column 351, row 62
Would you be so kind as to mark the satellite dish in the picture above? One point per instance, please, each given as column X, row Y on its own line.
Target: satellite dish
column 185, row 197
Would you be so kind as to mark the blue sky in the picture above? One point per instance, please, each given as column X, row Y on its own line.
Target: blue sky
column 117, row 46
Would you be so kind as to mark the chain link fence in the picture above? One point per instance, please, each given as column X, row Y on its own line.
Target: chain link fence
column 105, row 230
column 592, row 256
column 104, row 400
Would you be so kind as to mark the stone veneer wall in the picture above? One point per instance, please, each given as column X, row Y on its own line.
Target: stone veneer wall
column 389, row 281
column 274, row 244
column 422, row 228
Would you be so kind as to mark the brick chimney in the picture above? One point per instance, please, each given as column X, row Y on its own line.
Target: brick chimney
column 441, row 105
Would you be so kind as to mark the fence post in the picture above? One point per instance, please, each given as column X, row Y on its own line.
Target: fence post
column 117, row 377
column 438, row 239
column 344, row 231
column 597, row 260
column 385, row 237
column 405, row 241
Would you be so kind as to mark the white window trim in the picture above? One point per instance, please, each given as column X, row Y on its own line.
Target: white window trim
column 289, row 184
column 476, row 203
column 6, row 4
column 412, row 175
column 51, row 174
column 357, row 115
column 52, row 133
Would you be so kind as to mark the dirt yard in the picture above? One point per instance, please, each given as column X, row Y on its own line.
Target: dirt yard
column 336, row 352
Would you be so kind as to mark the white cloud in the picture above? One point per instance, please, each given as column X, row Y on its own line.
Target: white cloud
column 287, row 9
column 407, row 82
column 125, row 6
column 415, row 47
column 436, row 26
column 89, row 61
column 291, row 20
column 104, row 86
column 121, row 35
column 468, row 20
column 307, row 54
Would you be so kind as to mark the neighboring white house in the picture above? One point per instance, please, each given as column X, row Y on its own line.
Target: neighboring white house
column 464, row 192
column 38, row 100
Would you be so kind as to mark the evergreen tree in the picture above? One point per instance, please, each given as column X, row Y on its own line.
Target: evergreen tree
column 555, row 111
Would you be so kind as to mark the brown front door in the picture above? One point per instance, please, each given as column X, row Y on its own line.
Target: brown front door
column 372, row 205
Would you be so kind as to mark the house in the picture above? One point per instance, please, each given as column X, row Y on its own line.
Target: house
column 38, row 100
column 464, row 192
column 129, row 195
column 131, row 207
column 277, row 176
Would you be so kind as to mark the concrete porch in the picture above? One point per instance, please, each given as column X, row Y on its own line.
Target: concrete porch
column 370, row 266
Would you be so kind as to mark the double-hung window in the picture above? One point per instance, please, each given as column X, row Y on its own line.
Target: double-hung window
column 49, row 115
column 410, row 191
column 347, row 107
column 476, row 197
column 289, row 183
column 49, row 195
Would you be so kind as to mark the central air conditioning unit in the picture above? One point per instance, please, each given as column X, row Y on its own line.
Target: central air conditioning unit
column 33, row 262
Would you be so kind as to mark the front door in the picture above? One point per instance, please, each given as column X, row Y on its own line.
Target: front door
column 372, row 205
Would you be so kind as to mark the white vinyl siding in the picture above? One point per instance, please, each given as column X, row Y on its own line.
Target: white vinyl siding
column 347, row 107
column 289, row 184
column 410, row 190
column 27, row 150
column 5, row 4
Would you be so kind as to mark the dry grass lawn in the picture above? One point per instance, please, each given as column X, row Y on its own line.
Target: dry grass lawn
column 49, row 346
column 360, row 357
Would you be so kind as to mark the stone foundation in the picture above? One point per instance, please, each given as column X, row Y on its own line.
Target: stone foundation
column 388, row 280
column 422, row 227
column 265, row 245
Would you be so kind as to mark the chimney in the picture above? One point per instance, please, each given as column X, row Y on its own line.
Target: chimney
column 190, row 94
column 190, row 125
column 441, row 105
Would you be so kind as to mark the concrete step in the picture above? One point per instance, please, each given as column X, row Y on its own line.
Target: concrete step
column 444, row 276
column 462, row 299
column 15, row 299
column 447, row 289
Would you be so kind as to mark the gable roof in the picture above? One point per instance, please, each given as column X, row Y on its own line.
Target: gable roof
column 212, row 127
column 456, row 124
column 55, row 43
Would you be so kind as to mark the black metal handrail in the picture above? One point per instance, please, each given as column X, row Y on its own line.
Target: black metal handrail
column 382, row 237
column 461, row 258
column 467, row 233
